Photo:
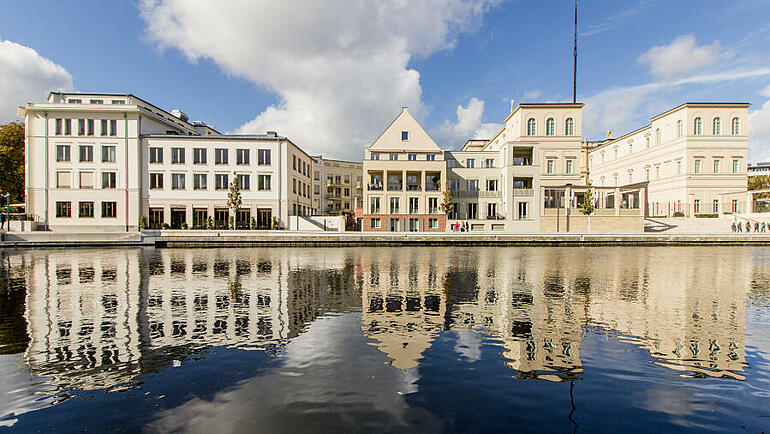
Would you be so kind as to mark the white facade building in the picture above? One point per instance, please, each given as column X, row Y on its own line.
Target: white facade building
column 108, row 161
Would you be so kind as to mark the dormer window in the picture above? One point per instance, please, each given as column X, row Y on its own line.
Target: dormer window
column 404, row 136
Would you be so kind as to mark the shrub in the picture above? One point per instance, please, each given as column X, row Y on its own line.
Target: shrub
column 275, row 223
column 253, row 224
column 165, row 226
column 209, row 223
column 678, row 214
column 184, row 225
column 706, row 216
column 142, row 222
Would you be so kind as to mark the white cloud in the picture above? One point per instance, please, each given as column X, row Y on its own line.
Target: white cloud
column 532, row 95
column 615, row 108
column 765, row 91
column 759, row 133
column 339, row 68
column 468, row 125
column 681, row 57
column 25, row 76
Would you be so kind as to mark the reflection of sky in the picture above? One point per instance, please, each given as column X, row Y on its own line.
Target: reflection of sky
column 19, row 390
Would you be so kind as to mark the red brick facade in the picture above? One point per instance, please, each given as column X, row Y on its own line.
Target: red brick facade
column 404, row 223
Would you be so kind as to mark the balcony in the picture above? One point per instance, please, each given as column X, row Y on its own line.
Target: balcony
column 413, row 187
column 374, row 187
column 523, row 192
column 476, row 193
column 395, row 186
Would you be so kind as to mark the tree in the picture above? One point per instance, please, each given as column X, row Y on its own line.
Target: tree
column 588, row 205
column 234, row 200
column 12, row 160
column 446, row 204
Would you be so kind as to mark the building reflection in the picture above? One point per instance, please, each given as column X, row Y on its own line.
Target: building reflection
column 100, row 319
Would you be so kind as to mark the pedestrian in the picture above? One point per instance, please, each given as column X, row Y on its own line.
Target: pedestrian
column 756, row 227
column 748, row 227
column 2, row 221
column 734, row 227
column 466, row 226
column 763, row 227
column 740, row 227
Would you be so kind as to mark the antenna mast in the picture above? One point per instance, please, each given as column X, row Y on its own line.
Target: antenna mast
column 574, row 62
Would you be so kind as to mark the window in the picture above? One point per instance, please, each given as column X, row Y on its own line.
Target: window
column 568, row 166
column 394, row 209
column 108, row 154
column 220, row 156
column 489, row 163
column 63, row 209
column 63, row 180
column 85, row 209
column 549, row 127
column 199, row 155
column 156, row 155
column 62, row 153
column 679, row 128
column 414, row 205
column 454, row 185
column 696, row 206
column 657, row 136
column 717, row 165
column 433, row 205
column 156, row 181
column 374, row 205
column 294, row 185
column 549, row 166
column 404, row 136
column 523, row 210
column 430, row 157
column 177, row 181
column 263, row 157
column 531, row 127
column 96, row 101
column 90, row 127
column 67, row 127
column 715, row 206
column 58, row 127
column 647, row 174
column 432, row 223
column 734, row 206
column 118, row 102
column 86, row 179
column 375, row 156
column 470, row 163
column 375, row 223
column 263, row 182
column 244, row 182
column 491, row 210
column 109, row 209
column 221, row 181
column 109, row 179
column 736, row 127
column 491, row 185
column 473, row 210
column 86, row 153
column 242, row 156
column 81, row 127
column 177, row 155
column 569, row 127
column 697, row 127
column 294, row 162
column 393, row 157
column 200, row 181
column 697, row 166
column 412, row 157
column 103, row 130
column 736, row 166
column 473, row 185
column 113, row 127
column 717, row 127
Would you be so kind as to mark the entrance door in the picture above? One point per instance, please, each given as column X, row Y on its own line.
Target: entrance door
column 242, row 218
column 264, row 218
column 178, row 216
column 200, row 218
column 156, row 218
column 221, row 218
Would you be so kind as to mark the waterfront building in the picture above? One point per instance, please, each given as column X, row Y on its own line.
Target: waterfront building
column 337, row 186
column 759, row 169
column 692, row 159
column 102, row 162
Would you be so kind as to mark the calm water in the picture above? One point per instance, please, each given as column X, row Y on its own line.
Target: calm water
column 386, row 339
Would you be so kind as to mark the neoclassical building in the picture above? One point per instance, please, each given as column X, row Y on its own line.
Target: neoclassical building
column 102, row 162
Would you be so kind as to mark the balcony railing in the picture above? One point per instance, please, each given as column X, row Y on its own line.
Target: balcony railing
column 413, row 187
column 476, row 193
column 431, row 188
column 394, row 187
column 523, row 192
column 375, row 187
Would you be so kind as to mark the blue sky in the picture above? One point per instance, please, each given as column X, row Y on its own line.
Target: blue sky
column 332, row 76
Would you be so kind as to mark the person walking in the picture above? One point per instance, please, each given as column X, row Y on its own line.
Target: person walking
column 734, row 228
column 2, row 221
column 740, row 227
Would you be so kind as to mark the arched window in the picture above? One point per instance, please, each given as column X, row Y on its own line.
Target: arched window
column 657, row 136
column 679, row 128
column 549, row 127
column 569, row 127
column 717, row 130
column 697, row 127
column 531, row 127
column 736, row 127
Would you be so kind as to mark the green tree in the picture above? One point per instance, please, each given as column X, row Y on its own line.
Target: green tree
column 12, row 160
column 234, row 200
column 446, row 203
column 588, row 205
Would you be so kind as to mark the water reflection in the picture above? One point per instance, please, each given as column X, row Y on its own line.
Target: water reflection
column 102, row 319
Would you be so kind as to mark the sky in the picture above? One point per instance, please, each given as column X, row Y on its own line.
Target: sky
column 331, row 75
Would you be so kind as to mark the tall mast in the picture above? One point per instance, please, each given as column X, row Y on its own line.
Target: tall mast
column 574, row 61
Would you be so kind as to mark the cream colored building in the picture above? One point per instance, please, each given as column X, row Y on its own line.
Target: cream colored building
column 337, row 186
column 103, row 161
column 688, row 157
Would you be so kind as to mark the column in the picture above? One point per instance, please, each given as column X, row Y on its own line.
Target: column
column 617, row 201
